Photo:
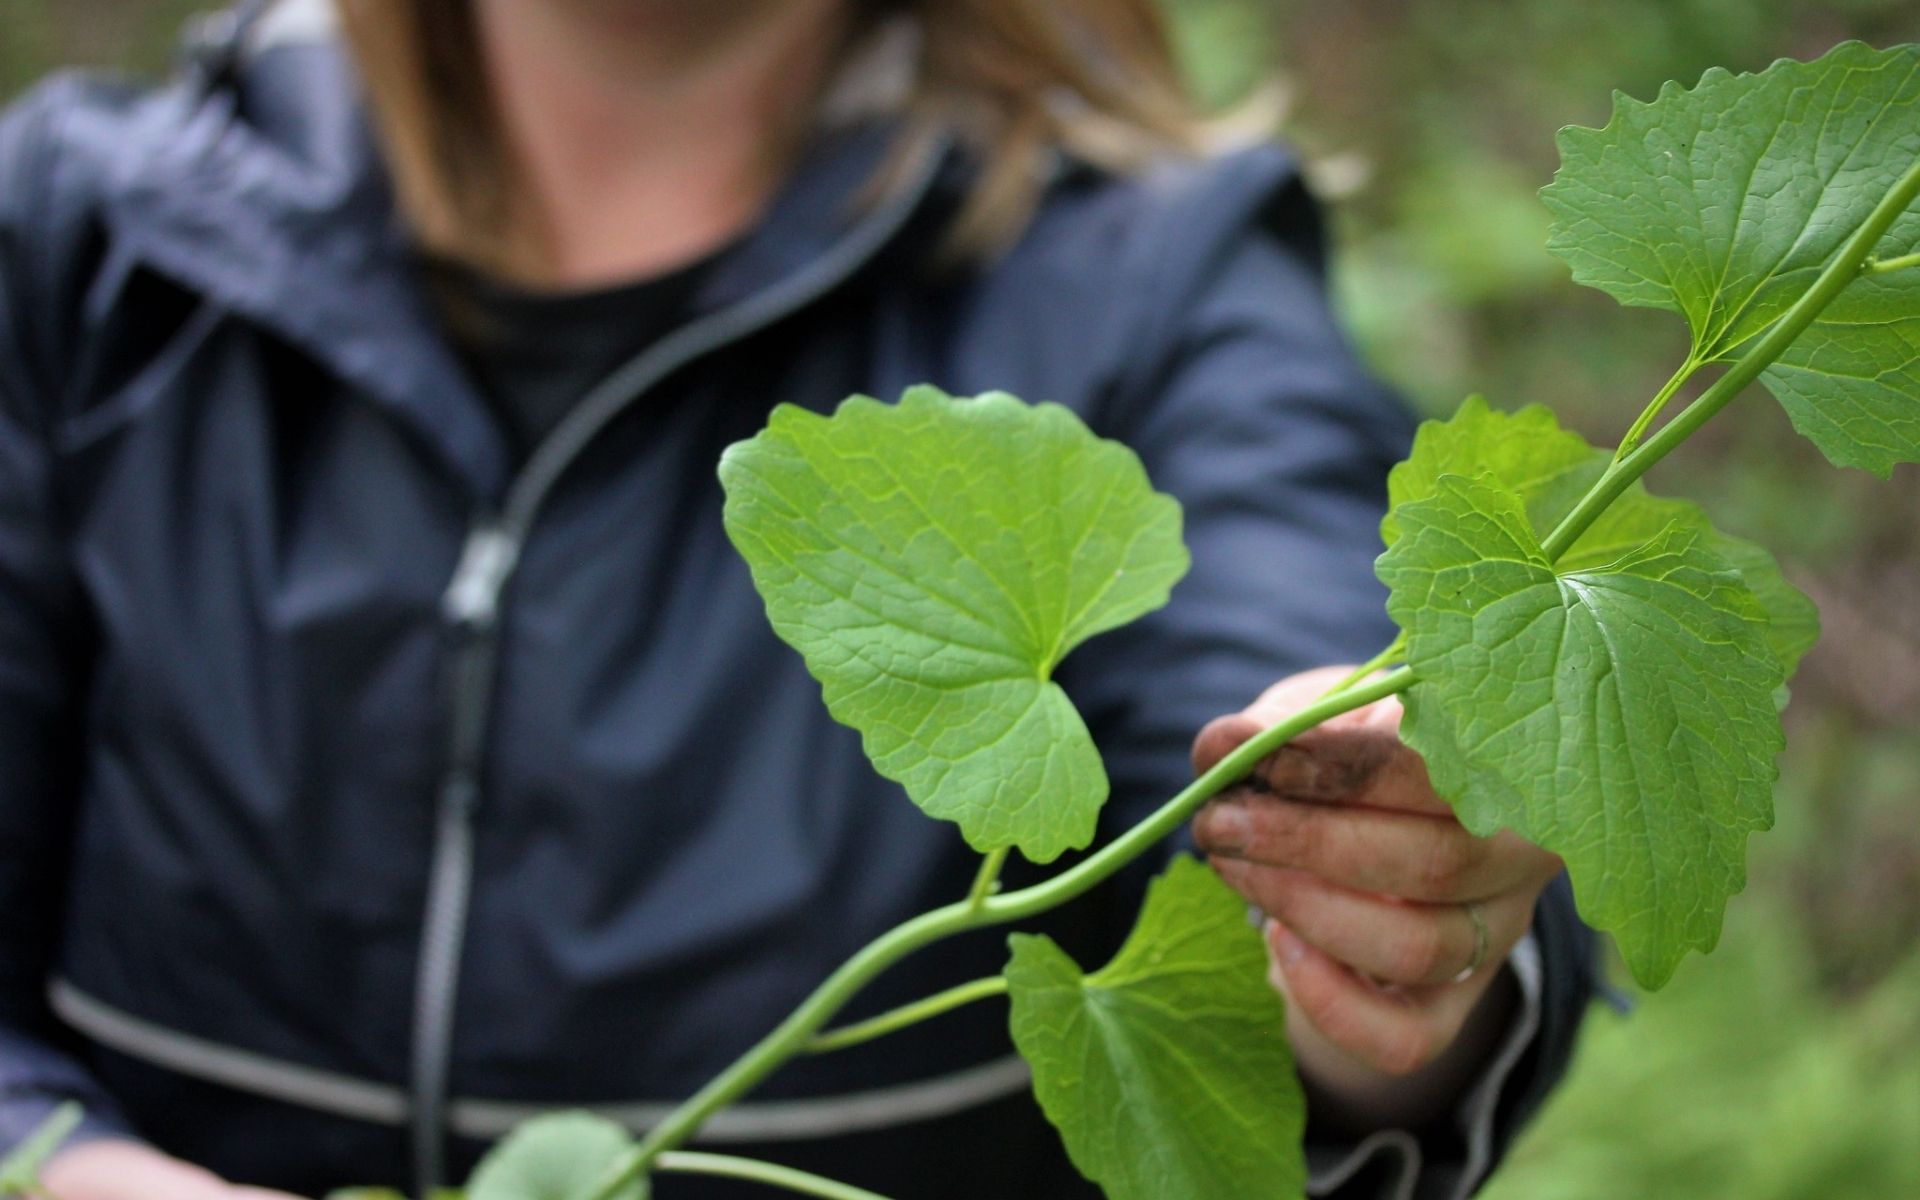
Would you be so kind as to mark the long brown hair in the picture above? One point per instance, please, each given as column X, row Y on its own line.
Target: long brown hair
column 1019, row 78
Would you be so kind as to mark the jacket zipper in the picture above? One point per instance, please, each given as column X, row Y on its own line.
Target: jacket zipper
column 470, row 612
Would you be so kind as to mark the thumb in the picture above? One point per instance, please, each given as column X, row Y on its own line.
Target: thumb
column 1221, row 737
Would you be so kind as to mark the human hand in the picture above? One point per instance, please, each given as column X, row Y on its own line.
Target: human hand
column 1378, row 899
column 110, row 1169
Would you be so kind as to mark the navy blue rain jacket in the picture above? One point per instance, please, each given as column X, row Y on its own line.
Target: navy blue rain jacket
column 357, row 787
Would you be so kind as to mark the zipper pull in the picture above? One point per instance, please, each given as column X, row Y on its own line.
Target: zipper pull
column 472, row 598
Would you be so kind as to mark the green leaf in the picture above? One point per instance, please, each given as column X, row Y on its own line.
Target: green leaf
column 1619, row 713
column 20, row 1169
column 1168, row 1073
column 1793, row 623
column 933, row 562
column 1851, row 383
column 1550, row 468
column 1723, row 202
column 562, row 1156
column 1527, row 451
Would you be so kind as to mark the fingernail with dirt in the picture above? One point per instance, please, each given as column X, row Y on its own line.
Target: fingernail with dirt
column 1292, row 770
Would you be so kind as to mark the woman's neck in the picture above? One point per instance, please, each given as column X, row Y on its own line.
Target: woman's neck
column 645, row 133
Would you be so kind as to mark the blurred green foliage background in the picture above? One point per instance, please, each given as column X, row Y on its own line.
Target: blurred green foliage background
column 1786, row 1066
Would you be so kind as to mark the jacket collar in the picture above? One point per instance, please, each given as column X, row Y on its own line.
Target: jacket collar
column 266, row 195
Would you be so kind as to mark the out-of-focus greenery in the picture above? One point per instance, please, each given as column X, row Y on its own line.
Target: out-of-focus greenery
column 131, row 35
column 1752, row 1075
column 1786, row 1065
column 1747, row 1082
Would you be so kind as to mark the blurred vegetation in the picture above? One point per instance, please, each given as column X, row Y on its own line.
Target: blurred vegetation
column 1787, row 1066
column 131, row 35
column 1751, row 1076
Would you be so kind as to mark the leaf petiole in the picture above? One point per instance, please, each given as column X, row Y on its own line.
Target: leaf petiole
column 988, row 880
column 1654, row 408
column 20, row 1169
column 908, row 1014
column 1395, row 650
column 1887, row 266
column 752, row 1169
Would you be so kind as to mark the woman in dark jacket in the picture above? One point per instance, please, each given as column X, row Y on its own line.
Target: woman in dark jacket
column 391, row 746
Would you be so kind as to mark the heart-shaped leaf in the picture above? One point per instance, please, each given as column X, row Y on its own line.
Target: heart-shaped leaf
column 1168, row 1072
column 561, row 1156
column 933, row 561
column 1619, row 713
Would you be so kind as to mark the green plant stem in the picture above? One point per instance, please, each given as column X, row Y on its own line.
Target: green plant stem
column 988, row 879
column 908, row 1014
column 1385, row 658
column 1843, row 270
column 1887, row 266
column 726, row 1165
column 792, row 1035
column 1654, row 408
column 1097, row 867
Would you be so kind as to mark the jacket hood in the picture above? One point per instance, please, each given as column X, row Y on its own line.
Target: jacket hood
column 253, row 180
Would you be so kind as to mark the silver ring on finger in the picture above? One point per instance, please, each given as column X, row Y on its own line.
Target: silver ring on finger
column 1481, row 937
